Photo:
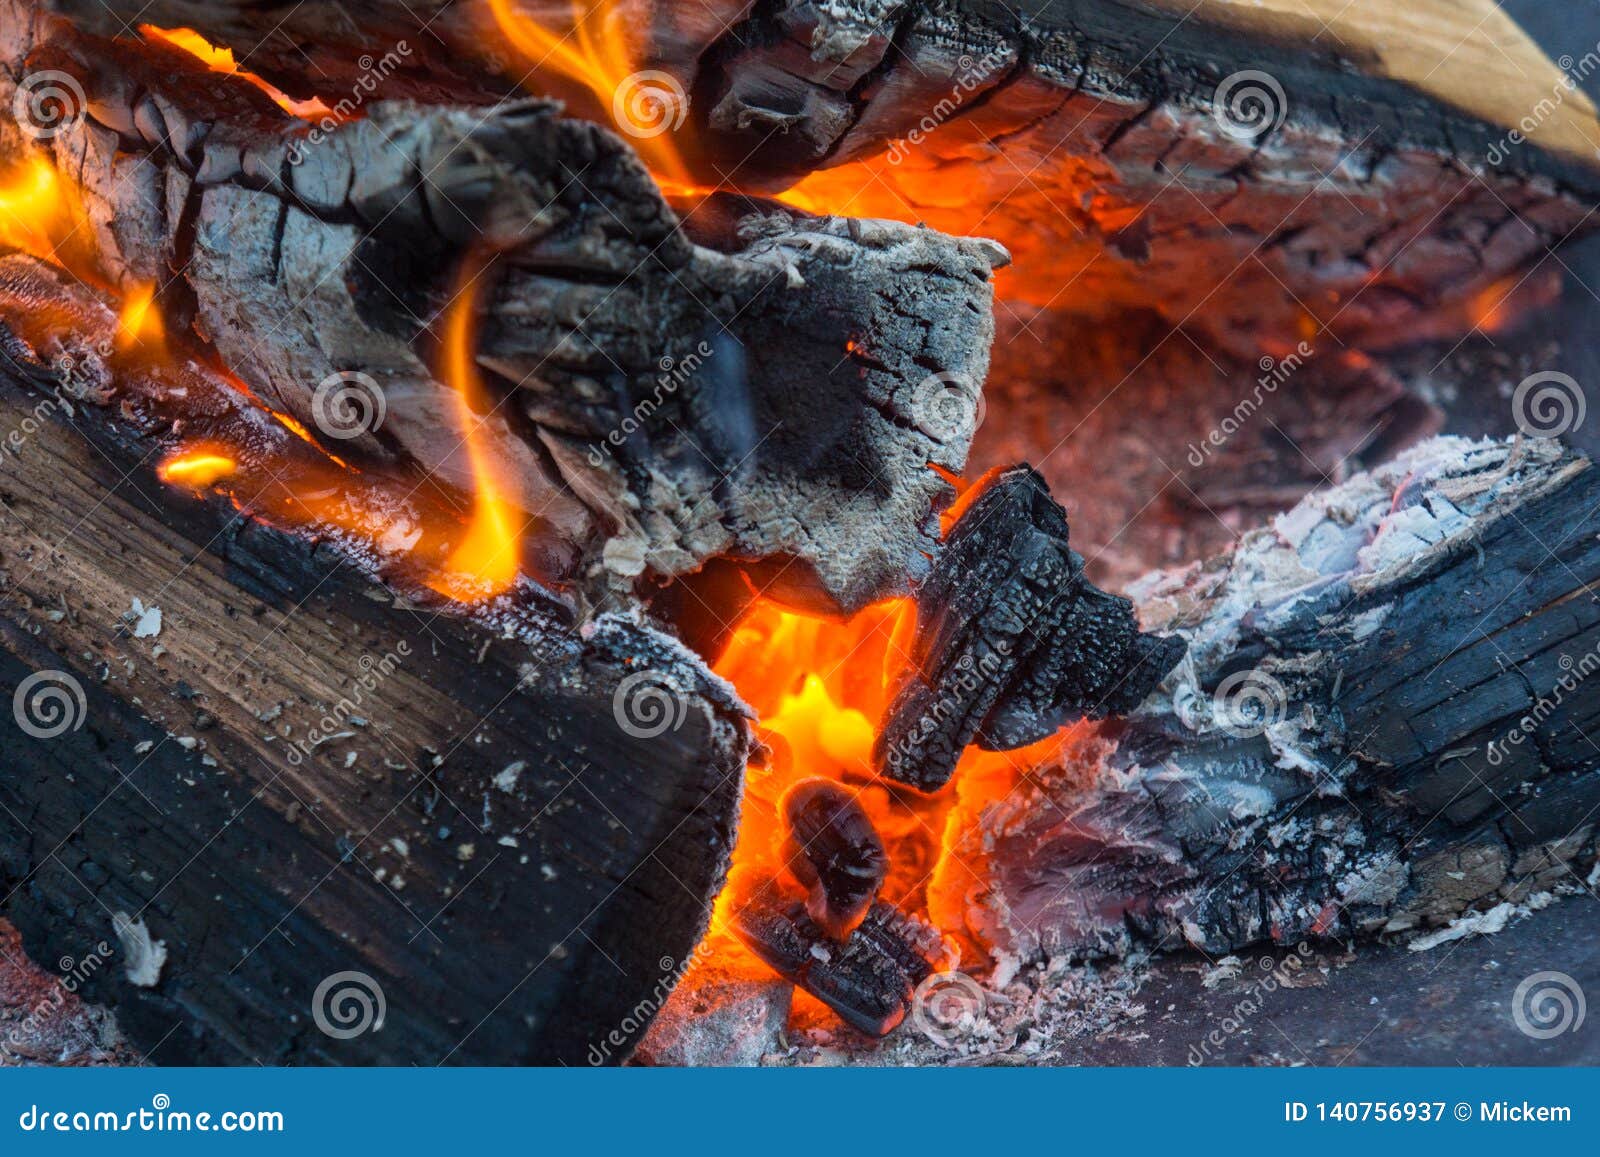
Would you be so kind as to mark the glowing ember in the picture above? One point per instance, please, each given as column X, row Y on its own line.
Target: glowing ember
column 220, row 59
column 197, row 469
column 487, row 561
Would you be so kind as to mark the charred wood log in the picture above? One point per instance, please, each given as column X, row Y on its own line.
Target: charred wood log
column 869, row 980
column 1382, row 722
column 278, row 789
column 664, row 390
column 1355, row 166
column 1012, row 640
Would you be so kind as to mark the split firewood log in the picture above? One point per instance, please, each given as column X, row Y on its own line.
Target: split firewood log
column 1382, row 721
column 1248, row 168
column 315, row 822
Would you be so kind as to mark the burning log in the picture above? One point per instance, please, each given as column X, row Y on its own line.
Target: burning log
column 317, row 824
column 833, row 851
column 1012, row 640
column 1357, row 168
column 660, row 390
column 1380, row 724
column 869, row 980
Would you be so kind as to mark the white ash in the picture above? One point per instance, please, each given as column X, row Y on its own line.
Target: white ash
column 143, row 958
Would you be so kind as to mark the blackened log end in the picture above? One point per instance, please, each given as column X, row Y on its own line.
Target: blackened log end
column 1013, row 641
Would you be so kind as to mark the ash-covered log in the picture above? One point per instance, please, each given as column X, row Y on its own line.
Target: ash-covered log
column 737, row 382
column 1013, row 641
column 1382, row 723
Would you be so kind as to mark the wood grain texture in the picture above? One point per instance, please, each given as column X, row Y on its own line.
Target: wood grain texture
column 301, row 775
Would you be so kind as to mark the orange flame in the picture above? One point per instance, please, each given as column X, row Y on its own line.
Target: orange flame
column 488, row 559
column 219, row 59
column 39, row 214
column 139, row 323
column 820, row 688
column 647, row 105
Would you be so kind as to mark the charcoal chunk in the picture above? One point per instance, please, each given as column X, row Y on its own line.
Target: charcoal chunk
column 832, row 849
column 1012, row 640
column 870, row 980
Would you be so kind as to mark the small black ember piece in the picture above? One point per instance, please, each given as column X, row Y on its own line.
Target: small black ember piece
column 1012, row 640
column 869, row 980
column 835, row 853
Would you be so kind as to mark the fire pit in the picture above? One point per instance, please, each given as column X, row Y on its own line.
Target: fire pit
column 532, row 528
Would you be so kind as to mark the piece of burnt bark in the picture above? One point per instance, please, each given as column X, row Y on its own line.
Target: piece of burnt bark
column 1012, row 640
column 870, row 980
column 832, row 849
